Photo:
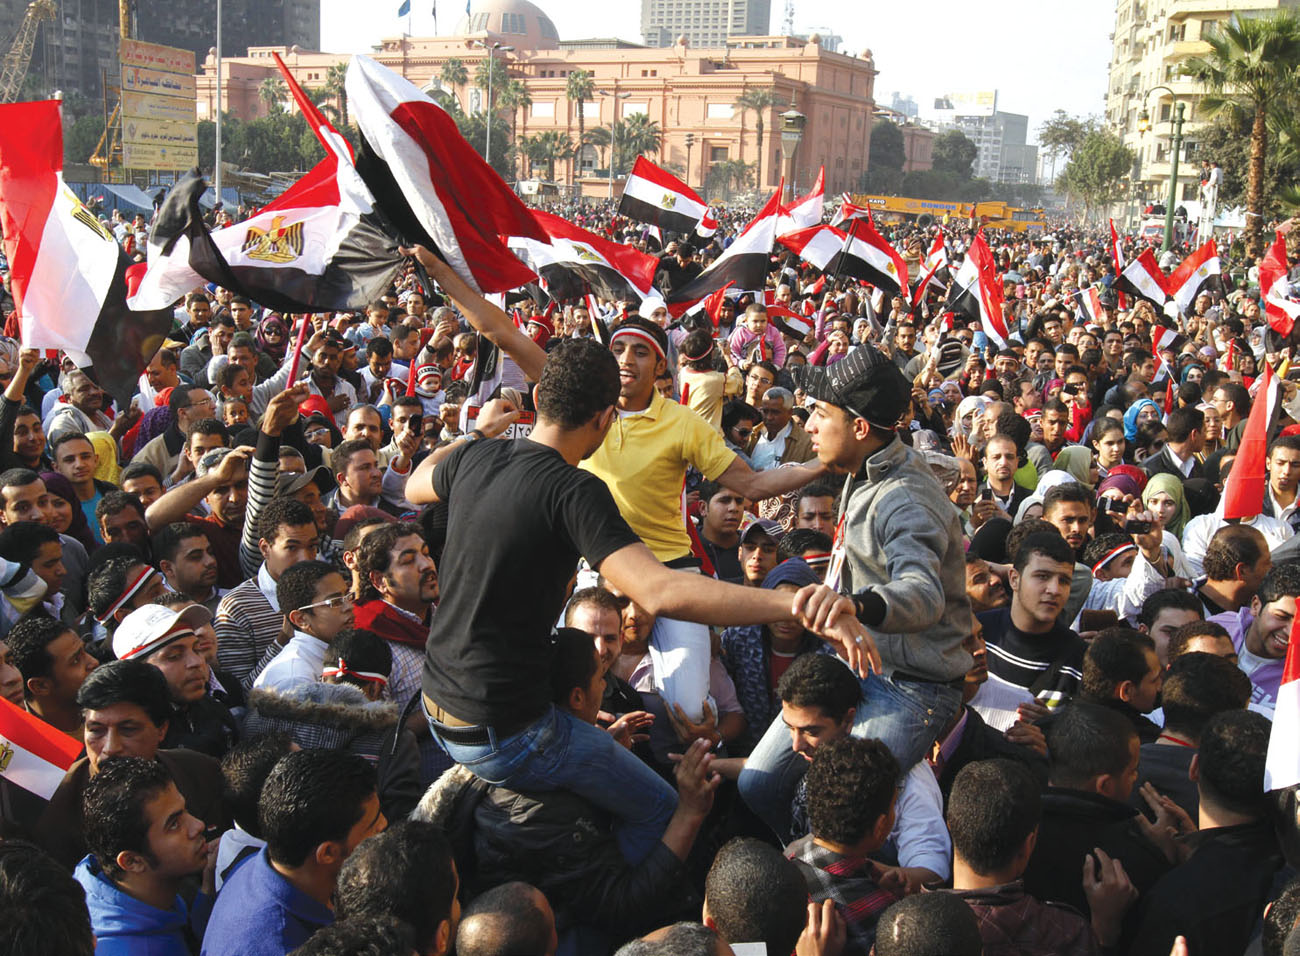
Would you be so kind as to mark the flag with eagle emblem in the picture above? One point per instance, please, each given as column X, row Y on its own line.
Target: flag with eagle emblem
column 658, row 197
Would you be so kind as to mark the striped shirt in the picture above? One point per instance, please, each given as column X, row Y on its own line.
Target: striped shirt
column 1049, row 666
column 247, row 625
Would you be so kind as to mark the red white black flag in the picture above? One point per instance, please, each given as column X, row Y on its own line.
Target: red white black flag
column 745, row 262
column 1117, row 256
column 1087, row 305
column 69, row 276
column 977, row 291
column 33, row 754
column 576, row 261
column 849, row 210
column 935, row 273
column 1282, row 310
column 431, row 184
column 805, row 211
column 1143, row 279
column 867, row 256
column 1197, row 273
column 658, row 197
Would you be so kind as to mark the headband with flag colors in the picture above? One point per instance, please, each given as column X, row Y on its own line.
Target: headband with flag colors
column 977, row 291
column 744, row 263
column 1243, row 492
column 848, row 210
column 1282, row 766
column 1143, row 279
column 866, row 256
column 431, row 184
column 1194, row 275
column 70, row 278
column 1117, row 257
column 1280, row 308
column 806, row 210
column 33, row 754
column 572, row 260
column 656, row 196
column 641, row 335
column 341, row 669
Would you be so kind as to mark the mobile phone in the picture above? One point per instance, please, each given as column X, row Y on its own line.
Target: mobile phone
column 1112, row 505
column 1136, row 526
column 1070, row 389
column 986, row 494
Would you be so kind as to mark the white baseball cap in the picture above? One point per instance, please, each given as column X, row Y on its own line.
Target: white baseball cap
column 153, row 627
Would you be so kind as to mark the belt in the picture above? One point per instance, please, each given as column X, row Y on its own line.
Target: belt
column 454, row 730
column 956, row 682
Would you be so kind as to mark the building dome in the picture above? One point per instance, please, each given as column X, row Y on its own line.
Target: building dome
column 517, row 23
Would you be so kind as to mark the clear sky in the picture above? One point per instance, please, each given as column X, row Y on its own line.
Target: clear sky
column 1039, row 55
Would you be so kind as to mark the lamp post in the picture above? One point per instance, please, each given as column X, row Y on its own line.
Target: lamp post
column 491, row 48
column 613, row 134
column 216, row 161
column 792, row 126
column 690, row 141
column 1176, row 147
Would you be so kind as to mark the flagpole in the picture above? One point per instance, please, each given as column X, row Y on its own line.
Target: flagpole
column 848, row 241
column 297, row 351
column 216, row 172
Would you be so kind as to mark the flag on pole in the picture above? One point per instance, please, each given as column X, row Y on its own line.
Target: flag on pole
column 935, row 271
column 656, row 196
column 1087, row 305
column 1143, row 279
column 70, row 278
column 1243, row 492
column 977, row 291
column 574, row 260
column 1195, row 274
column 1282, row 766
column 431, row 184
column 404, row 9
column 713, row 302
column 1164, row 340
column 806, row 210
column 848, row 210
column 33, row 755
column 1280, row 308
column 866, row 255
column 744, row 263
column 1117, row 256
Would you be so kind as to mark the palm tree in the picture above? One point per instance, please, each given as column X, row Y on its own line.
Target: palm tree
column 1250, row 69
column 272, row 93
column 598, row 137
column 580, row 88
column 760, row 101
column 514, row 96
column 642, row 133
column 453, row 76
column 552, row 146
column 320, row 98
column 335, row 86
column 724, row 174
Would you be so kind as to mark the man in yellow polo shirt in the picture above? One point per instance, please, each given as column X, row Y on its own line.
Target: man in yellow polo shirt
column 643, row 461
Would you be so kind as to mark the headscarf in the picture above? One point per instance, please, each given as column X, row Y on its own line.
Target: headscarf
column 274, row 349
column 1076, row 461
column 1131, row 417
column 56, row 484
column 1121, row 481
column 106, row 449
column 969, row 404
column 1173, row 487
column 1182, row 376
column 155, row 421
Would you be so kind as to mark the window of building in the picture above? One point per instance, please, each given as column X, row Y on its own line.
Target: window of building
column 719, row 111
column 543, row 110
column 718, row 154
column 513, row 23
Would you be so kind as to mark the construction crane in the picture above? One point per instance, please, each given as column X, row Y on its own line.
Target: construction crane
column 108, row 151
column 788, row 24
column 14, row 69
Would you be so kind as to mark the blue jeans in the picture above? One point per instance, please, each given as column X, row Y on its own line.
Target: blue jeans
column 904, row 715
column 560, row 752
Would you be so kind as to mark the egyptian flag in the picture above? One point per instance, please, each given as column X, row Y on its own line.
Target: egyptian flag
column 1117, row 256
column 658, row 197
column 1282, row 766
column 431, row 184
column 1087, row 305
column 1143, row 279
column 575, row 261
column 867, row 256
column 790, row 322
column 713, row 303
column 70, row 278
column 745, row 263
column 1243, row 492
column 33, row 755
column 805, row 211
column 1197, row 273
column 1165, row 340
column 1281, row 309
column 935, row 271
column 977, row 291
column 707, row 226
column 849, row 211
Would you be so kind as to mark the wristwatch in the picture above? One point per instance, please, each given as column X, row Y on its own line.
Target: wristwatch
column 472, row 436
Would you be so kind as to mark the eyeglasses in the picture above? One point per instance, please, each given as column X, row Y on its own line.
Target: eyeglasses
column 334, row 603
column 743, row 432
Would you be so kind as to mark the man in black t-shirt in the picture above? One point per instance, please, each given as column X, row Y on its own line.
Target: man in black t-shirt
column 520, row 514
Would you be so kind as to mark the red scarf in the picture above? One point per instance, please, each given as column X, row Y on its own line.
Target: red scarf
column 390, row 623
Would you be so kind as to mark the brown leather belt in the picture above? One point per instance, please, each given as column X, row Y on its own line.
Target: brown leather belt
column 441, row 716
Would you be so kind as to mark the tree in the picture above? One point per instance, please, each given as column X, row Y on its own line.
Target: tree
column 598, row 137
column 336, row 87
column 473, row 126
column 723, row 175
column 1251, row 69
column 954, row 153
column 888, row 156
column 1226, row 141
column 760, row 101
column 549, row 147
column 499, row 74
column 1096, row 169
column 453, row 74
column 514, row 97
column 641, row 133
column 581, row 86
column 1061, row 135
column 272, row 93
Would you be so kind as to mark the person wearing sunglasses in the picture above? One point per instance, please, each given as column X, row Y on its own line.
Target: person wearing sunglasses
column 318, row 603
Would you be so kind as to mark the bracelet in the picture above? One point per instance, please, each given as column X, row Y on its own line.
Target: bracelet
column 472, row 436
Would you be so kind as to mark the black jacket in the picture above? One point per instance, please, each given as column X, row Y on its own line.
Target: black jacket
column 979, row 741
column 1074, row 822
column 1162, row 463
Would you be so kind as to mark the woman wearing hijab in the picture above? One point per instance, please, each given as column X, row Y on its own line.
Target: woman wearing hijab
column 1076, row 461
column 1139, row 413
column 966, row 420
column 1164, row 496
column 272, row 337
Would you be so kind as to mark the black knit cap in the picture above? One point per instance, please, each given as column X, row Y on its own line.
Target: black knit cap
column 866, row 382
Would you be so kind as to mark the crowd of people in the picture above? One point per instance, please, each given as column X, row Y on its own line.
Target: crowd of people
column 588, row 627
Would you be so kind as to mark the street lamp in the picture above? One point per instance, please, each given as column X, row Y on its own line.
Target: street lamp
column 491, row 48
column 792, row 126
column 690, row 141
column 613, row 134
column 1176, row 147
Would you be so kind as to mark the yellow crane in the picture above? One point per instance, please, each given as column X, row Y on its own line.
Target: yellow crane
column 14, row 69
column 108, row 151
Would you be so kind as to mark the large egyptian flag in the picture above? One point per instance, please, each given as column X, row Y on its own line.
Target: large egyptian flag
column 1197, row 273
column 977, row 291
column 805, row 211
column 1143, row 279
column 745, row 263
column 69, row 276
column 431, row 184
column 658, row 197
column 575, row 262
column 867, row 256
column 1279, row 307
column 33, row 755
column 1243, row 491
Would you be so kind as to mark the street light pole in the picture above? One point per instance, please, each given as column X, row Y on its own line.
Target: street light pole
column 216, row 172
column 792, row 126
column 613, row 134
column 1176, row 147
column 487, row 145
